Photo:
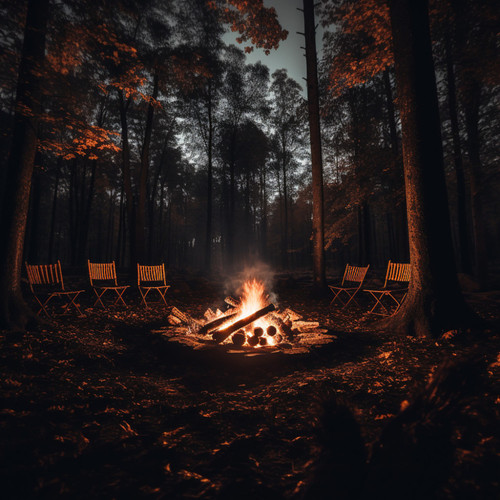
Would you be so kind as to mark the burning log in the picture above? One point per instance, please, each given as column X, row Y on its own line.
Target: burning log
column 209, row 314
column 258, row 332
column 271, row 330
column 232, row 302
column 186, row 318
column 239, row 338
column 262, row 341
column 253, row 341
column 212, row 325
column 285, row 326
column 221, row 335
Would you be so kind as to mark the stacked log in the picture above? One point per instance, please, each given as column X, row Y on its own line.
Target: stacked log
column 221, row 335
column 290, row 334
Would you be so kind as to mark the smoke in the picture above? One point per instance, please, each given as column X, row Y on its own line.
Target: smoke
column 257, row 270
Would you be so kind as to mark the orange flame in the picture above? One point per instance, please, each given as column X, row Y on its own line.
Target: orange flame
column 253, row 298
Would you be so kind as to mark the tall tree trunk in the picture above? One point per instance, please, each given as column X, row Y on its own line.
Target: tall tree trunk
column 471, row 107
column 463, row 239
column 140, row 219
column 208, row 232
column 86, row 209
column 14, row 312
column 232, row 206
column 127, row 178
column 319, row 275
column 285, row 262
column 400, row 251
column 434, row 303
column 54, row 209
column 364, row 232
column 33, row 224
column 263, row 219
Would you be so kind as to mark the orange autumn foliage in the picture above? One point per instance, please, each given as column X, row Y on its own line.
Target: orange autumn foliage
column 365, row 43
column 255, row 23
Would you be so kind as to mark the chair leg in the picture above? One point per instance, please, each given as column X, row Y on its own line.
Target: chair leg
column 378, row 302
column 119, row 297
column 42, row 306
column 398, row 302
column 352, row 298
column 335, row 297
column 144, row 295
column 162, row 295
column 71, row 302
column 99, row 295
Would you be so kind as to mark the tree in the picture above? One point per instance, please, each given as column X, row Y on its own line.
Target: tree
column 287, row 126
column 434, row 303
column 318, row 236
column 14, row 313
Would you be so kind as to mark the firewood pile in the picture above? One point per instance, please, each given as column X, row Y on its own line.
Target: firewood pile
column 267, row 329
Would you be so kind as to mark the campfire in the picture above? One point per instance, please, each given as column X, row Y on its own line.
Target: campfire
column 250, row 322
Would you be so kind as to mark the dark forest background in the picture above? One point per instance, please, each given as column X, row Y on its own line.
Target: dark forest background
column 159, row 143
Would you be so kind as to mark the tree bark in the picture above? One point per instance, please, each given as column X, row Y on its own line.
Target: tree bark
column 318, row 236
column 434, row 303
column 14, row 313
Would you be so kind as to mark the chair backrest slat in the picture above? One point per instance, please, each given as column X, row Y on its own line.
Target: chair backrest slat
column 102, row 271
column 150, row 274
column 354, row 274
column 398, row 271
column 45, row 275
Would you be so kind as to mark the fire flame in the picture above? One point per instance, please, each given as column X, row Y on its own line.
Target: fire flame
column 253, row 298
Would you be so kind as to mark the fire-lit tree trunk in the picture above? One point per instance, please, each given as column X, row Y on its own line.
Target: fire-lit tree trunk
column 319, row 276
column 14, row 312
column 435, row 303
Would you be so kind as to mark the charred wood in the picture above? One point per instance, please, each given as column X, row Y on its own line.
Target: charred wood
column 221, row 335
column 212, row 325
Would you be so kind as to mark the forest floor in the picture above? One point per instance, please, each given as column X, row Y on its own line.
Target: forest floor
column 104, row 406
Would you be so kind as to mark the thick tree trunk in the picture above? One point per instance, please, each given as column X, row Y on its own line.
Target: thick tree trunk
column 14, row 313
column 434, row 303
column 318, row 236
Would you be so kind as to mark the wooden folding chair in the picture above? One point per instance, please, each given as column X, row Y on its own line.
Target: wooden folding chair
column 352, row 282
column 152, row 278
column 102, row 277
column 46, row 282
column 397, row 279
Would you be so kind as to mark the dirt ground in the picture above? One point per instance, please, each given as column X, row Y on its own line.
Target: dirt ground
column 103, row 406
